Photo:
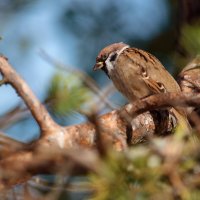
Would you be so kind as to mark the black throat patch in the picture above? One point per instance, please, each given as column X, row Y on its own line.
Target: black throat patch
column 104, row 68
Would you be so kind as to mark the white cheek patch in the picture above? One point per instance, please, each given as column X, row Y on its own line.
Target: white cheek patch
column 109, row 64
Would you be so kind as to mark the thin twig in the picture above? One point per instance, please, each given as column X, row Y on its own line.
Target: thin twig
column 89, row 82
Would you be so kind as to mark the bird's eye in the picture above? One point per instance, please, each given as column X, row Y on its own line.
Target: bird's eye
column 104, row 57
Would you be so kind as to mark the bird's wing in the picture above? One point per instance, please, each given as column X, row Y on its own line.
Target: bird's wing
column 155, row 86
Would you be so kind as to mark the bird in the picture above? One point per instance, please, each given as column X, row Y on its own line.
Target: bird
column 137, row 74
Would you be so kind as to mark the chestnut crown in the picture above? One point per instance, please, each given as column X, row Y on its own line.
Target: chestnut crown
column 106, row 52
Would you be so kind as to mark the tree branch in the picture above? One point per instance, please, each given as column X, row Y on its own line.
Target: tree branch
column 38, row 111
column 163, row 100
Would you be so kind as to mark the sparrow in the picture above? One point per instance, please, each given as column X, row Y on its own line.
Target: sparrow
column 136, row 73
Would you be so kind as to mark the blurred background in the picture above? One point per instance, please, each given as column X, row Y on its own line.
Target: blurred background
column 42, row 37
column 53, row 46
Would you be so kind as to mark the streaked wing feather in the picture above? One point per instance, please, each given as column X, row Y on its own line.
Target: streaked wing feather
column 155, row 87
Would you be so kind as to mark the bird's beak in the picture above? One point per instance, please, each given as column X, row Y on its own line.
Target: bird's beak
column 98, row 65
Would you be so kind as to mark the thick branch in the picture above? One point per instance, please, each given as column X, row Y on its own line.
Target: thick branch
column 45, row 160
column 113, row 131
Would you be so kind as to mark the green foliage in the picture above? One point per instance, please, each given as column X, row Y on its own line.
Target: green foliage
column 165, row 168
column 66, row 93
column 129, row 176
column 190, row 39
column 189, row 42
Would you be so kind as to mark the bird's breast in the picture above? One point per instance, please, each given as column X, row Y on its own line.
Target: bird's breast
column 128, row 81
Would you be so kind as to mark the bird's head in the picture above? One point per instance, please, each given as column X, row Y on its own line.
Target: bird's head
column 107, row 57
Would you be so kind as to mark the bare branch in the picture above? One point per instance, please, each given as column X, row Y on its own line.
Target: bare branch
column 45, row 160
column 163, row 100
column 38, row 111
column 12, row 116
